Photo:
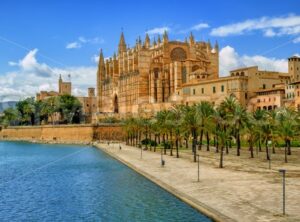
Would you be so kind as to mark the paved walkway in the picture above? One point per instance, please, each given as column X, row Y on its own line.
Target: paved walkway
column 225, row 194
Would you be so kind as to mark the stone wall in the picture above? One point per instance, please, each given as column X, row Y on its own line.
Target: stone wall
column 64, row 133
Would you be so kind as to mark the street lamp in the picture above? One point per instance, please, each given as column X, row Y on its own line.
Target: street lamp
column 283, row 190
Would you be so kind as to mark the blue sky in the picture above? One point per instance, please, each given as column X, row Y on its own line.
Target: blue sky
column 38, row 39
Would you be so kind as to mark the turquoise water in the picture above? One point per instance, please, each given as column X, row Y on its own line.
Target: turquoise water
column 42, row 182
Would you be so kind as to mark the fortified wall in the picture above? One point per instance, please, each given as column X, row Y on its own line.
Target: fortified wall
column 63, row 133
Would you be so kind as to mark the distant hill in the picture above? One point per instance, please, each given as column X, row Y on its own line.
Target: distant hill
column 8, row 104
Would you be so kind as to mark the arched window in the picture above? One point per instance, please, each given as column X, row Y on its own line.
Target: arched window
column 195, row 67
column 178, row 54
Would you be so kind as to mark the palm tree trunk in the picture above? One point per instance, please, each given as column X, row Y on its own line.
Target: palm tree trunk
column 214, row 141
column 259, row 145
column 164, row 141
column 238, row 144
column 207, row 141
column 155, row 142
column 201, row 138
column 267, row 150
column 221, row 157
column 285, row 152
column 171, row 143
column 289, row 148
column 273, row 147
column 251, row 149
column 177, row 148
column 217, row 145
column 227, row 148
column 186, row 143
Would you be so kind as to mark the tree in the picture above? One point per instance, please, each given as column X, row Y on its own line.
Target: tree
column 11, row 117
column 69, row 108
column 27, row 111
column 49, row 108
column 221, row 133
column 287, row 125
column 259, row 116
column 190, row 123
column 204, row 111
column 251, row 132
column 162, row 121
column 176, row 116
column 238, row 123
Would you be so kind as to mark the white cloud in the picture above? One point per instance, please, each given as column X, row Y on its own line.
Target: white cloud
column 158, row 30
column 296, row 40
column 230, row 59
column 200, row 26
column 270, row 26
column 82, row 41
column 73, row 45
column 95, row 58
column 12, row 63
column 31, row 76
column 269, row 33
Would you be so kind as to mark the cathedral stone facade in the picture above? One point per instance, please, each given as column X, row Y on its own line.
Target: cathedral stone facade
column 149, row 76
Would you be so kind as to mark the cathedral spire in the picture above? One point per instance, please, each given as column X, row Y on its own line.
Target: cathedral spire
column 165, row 37
column 154, row 42
column 192, row 40
column 101, row 65
column 158, row 39
column 216, row 46
column 208, row 46
column 122, row 44
column 147, row 41
column 101, row 58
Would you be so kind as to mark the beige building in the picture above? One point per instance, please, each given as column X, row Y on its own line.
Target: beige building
column 89, row 104
column 64, row 88
column 153, row 76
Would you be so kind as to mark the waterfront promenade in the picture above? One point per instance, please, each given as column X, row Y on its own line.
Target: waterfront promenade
column 240, row 192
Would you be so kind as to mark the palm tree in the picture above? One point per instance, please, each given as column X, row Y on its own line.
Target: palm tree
column 272, row 118
column 287, row 124
column 190, row 123
column 177, row 113
column 162, row 118
column 251, row 132
column 221, row 133
column 238, row 121
column 204, row 111
column 259, row 115
column 226, row 111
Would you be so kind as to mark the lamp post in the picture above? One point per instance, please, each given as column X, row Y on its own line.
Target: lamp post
column 198, row 156
column 141, row 151
column 283, row 190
